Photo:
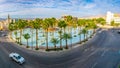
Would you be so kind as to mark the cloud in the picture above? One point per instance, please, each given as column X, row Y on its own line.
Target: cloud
column 1, row 1
column 88, row 6
column 47, row 8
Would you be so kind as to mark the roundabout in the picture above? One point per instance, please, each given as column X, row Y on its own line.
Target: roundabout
column 50, row 33
column 41, row 38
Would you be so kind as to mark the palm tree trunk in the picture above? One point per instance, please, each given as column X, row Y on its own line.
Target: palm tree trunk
column 47, row 39
column 71, row 35
column 64, row 30
column 55, row 46
column 60, row 41
column 27, row 43
column 80, row 34
column 61, row 38
column 66, row 44
column 32, row 38
column 36, row 38
column 15, row 38
column 18, row 40
column 84, row 36
column 94, row 31
column 20, row 35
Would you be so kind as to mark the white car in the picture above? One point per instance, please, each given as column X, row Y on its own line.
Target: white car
column 16, row 57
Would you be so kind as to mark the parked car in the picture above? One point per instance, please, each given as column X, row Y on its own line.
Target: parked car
column 16, row 57
column 119, row 31
column 4, row 35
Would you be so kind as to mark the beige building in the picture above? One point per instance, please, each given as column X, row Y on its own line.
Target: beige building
column 4, row 23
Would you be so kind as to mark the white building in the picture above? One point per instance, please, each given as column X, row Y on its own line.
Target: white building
column 111, row 17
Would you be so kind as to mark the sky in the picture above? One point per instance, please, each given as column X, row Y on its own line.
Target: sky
column 57, row 8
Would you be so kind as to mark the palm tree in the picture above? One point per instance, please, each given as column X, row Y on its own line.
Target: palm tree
column 80, row 23
column 93, row 26
column 69, row 21
column 21, row 25
column 84, row 31
column 31, row 25
column 64, row 25
column 12, row 26
column 27, row 36
column 52, row 22
column 60, row 25
column 88, row 26
column 45, row 26
column 37, row 25
column 18, row 39
column 60, row 33
column 66, row 37
column 54, row 41
column 15, row 33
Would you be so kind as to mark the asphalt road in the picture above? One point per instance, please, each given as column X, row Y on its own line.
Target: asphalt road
column 102, row 51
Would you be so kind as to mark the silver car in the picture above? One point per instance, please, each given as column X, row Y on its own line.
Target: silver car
column 16, row 57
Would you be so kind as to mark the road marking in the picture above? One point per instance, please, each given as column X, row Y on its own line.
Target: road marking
column 99, row 31
column 112, row 35
column 94, row 65
column 86, row 50
column 103, row 53
column 92, row 53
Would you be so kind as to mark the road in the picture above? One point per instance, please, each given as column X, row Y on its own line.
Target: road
column 102, row 51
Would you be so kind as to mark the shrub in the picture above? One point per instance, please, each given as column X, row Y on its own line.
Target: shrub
column 90, row 36
column 27, row 46
column 81, row 42
column 36, row 48
column 74, row 35
column 66, row 47
column 54, row 49
column 20, row 43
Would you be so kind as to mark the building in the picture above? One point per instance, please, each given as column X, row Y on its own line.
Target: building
column 1, row 25
column 5, row 23
column 112, row 17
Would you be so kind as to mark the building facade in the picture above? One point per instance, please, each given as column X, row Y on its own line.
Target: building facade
column 112, row 17
column 5, row 23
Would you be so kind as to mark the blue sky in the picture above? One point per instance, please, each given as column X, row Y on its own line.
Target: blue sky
column 57, row 8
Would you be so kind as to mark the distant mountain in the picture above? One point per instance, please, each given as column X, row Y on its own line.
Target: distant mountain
column 116, row 15
column 97, row 16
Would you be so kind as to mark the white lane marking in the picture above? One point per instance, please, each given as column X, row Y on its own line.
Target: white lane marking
column 103, row 53
column 94, row 65
column 99, row 32
column 92, row 53
column 86, row 50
